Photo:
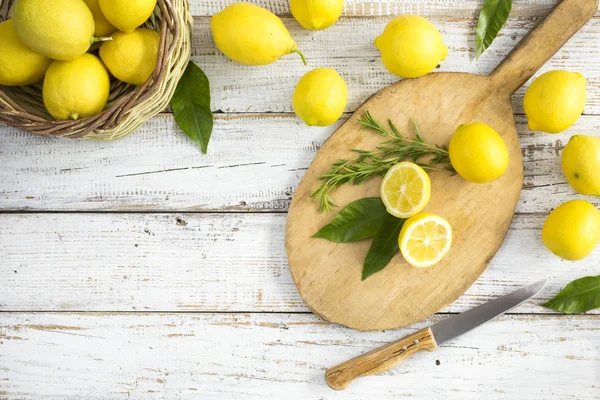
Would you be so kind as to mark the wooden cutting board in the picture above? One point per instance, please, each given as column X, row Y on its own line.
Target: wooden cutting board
column 328, row 275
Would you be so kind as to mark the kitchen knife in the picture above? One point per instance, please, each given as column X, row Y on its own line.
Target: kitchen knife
column 388, row 356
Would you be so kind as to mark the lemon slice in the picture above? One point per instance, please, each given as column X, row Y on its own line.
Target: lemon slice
column 425, row 239
column 405, row 190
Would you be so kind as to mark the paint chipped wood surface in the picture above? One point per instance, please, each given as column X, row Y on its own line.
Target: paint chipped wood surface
column 254, row 164
column 210, row 263
column 348, row 47
column 365, row 8
column 222, row 356
column 222, row 260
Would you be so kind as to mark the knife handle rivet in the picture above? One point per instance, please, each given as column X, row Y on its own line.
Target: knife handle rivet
column 404, row 347
column 417, row 341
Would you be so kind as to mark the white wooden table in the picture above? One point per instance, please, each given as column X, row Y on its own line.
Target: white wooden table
column 143, row 269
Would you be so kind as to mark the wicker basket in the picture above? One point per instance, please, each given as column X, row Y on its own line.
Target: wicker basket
column 129, row 106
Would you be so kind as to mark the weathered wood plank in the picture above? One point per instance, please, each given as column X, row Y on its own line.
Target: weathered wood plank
column 348, row 47
column 209, row 262
column 254, row 164
column 359, row 8
column 186, row 356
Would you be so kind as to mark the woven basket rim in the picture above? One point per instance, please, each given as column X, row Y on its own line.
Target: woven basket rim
column 132, row 105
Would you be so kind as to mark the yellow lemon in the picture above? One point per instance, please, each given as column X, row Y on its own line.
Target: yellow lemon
column 76, row 89
column 19, row 65
column 572, row 230
column 127, row 14
column 555, row 100
column 251, row 35
column 320, row 97
column 103, row 27
column 581, row 164
column 411, row 46
column 131, row 57
column 478, row 153
column 316, row 14
column 58, row 29
column 425, row 239
column 405, row 190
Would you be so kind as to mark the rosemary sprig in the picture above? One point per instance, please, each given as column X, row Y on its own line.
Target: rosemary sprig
column 390, row 152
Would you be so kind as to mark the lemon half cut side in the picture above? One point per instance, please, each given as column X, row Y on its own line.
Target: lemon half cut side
column 405, row 190
column 425, row 239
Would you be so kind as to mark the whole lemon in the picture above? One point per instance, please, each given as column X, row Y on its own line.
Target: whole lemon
column 131, row 57
column 77, row 88
column 411, row 46
column 320, row 97
column 251, row 35
column 572, row 230
column 58, row 29
column 316, row 14
column 19, row 65
column 478, row 153
column 555, row 100
column 103, row 27
column 581, row 164
column 127, row 14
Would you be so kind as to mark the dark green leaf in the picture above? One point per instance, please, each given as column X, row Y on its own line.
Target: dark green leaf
column 492, row 17
column 384, row 246
column 357, row 221
column 191, row 105
column 579, row 296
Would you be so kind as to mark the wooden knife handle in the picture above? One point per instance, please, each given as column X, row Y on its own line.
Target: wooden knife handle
column 380, row 360
column 542, row 43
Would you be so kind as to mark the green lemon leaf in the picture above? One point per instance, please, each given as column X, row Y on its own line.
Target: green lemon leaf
column 577, row 297
column 357, row 221
column 492, row 17
column 191, row 106
column 384, row 246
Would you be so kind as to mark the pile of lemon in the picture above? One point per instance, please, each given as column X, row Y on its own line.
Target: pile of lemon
column 248, row 34
column 51, row 40
column 553, row 103
column 410, row 47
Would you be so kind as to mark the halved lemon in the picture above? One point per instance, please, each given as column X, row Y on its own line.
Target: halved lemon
column 425, row 239
column 405, row 190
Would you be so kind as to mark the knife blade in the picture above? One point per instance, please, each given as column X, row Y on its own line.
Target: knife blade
column 390, row 355
column 455, row 326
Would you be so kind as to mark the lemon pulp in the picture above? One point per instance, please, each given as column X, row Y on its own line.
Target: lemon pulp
column 425, row 239
column 405, row 190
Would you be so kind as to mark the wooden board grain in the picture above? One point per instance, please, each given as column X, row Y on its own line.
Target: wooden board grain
column 366, row 8
column 219, row 356
column 348, row 47
column 159, row 169
column 211, row 263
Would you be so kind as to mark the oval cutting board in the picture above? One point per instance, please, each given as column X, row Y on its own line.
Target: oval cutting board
column 328, row 275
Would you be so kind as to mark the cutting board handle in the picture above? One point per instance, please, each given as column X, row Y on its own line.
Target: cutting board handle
column 542, row 43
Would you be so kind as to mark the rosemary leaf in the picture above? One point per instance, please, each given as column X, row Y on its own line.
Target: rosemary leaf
column 368, row 164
